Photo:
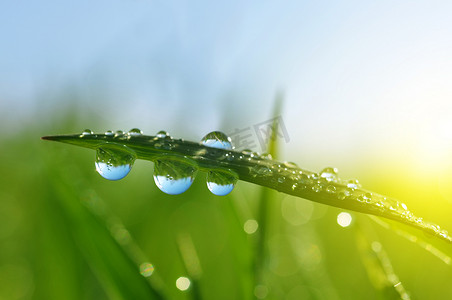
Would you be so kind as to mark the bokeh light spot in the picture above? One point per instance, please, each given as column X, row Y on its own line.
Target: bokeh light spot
column 344, row 219
column 183, row 283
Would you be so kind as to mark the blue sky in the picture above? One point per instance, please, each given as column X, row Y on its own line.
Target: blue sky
column 385, row 65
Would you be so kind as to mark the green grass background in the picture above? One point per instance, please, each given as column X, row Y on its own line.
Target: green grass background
column 67, row 233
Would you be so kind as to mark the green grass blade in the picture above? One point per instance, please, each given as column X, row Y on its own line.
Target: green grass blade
column 263, row 217
column 119, row 275
column 282, row 177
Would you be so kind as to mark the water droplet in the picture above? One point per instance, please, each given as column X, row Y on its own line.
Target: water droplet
column 222, row 182
column 330, row 174
column 135, row 132
column 109, row 133
column 114, row 162
column 353, row 184
column 306, row 179
column 86, row 132
column 331, row 189
column 281, row 179
column 289, row 164
column 162, row 134
column 317, row 187
column 174, row 175
column 261, row 171
column 119, row 133
column 367, row 197
column 343, row 194
column 267, row 156
column 248, row 152
column 217, row 139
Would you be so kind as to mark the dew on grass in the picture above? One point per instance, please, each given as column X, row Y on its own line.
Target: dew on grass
column 329, row 174
column 86, row 132
column 353, row 184
column 174, row 175
column 221, row 182
column 331, row 189
column 119, row 133
column 114, row 162
column 217, row 139
column 135, row 132
column 162, row 134
column 109, row 133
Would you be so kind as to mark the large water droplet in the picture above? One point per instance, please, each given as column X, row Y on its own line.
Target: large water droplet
column 174, row 175
column 217, row 139
column 114, row 162
column 109, row 133
column 86, row 132
column 135, row 132
column 330, row 174
column 221, row 182
column 162, row 134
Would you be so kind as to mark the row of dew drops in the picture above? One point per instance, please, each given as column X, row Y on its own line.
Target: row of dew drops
column 174, row 175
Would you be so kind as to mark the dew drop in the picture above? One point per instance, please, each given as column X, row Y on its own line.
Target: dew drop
column 291, row 165
column 353, row 184
column 86, row 132
column 267, row 156
column 162, row 134
column 330, row 174
column 331, row 189
column 119, row 133
column 217, row 139
column 281, row 179
column 221, row 182
column 135, row 132
column 109, row 133
column 174, row 175
column 343, row 194
column 114, row 162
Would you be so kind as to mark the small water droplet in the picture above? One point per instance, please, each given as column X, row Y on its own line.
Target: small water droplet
column 353, row 184
column 306, row 179
column 119, row 133
column 162, row 134
column 217, row 139
column 248, row 152
column 281, row 179
column 330, row 174
column 86, row 132
column 331, row 189
column 135, row 132
column 109, row 133
column 317, row 187
column 174, row 175
column 221, row 182
column 114, row 162
column 261, row 171
column 367, row 197
column 343, row 194
column 289, row 164
column 266, row 156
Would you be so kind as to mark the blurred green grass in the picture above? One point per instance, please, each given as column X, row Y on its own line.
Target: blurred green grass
column 67, row 233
